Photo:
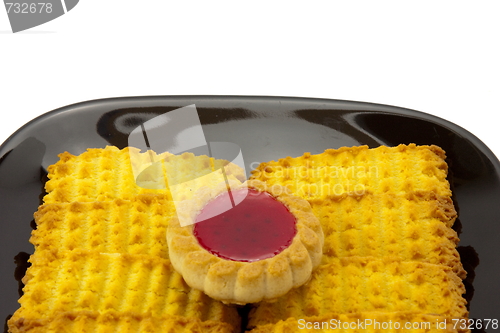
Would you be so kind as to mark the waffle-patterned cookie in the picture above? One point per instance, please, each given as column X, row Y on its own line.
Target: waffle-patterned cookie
column 81, row 280
column 136, row 226
column 364, row 284
column 407, row 226
column 106, row 174
column 386, row 214
column 101, row 257
column 357, row 170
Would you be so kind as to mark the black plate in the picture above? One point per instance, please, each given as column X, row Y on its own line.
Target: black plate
column 266, row 128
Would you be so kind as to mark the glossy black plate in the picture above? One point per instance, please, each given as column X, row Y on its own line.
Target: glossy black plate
column 266, row 128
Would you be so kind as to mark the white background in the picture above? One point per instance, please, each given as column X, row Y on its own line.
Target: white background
column 439, row 57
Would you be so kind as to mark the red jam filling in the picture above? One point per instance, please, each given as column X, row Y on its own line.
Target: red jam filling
column 258, row 227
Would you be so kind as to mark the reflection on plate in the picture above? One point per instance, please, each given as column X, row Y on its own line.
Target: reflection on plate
column 265, row 128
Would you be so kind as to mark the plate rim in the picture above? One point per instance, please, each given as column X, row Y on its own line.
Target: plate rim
column 369, row 106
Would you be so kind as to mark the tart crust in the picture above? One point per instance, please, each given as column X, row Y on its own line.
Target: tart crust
column 247, row 282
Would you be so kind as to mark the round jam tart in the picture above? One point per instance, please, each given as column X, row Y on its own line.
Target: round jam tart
column 252, row 243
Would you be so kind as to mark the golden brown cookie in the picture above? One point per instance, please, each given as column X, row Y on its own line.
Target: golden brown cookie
column 216, row 254
column 390, row 252
column 101, row 258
